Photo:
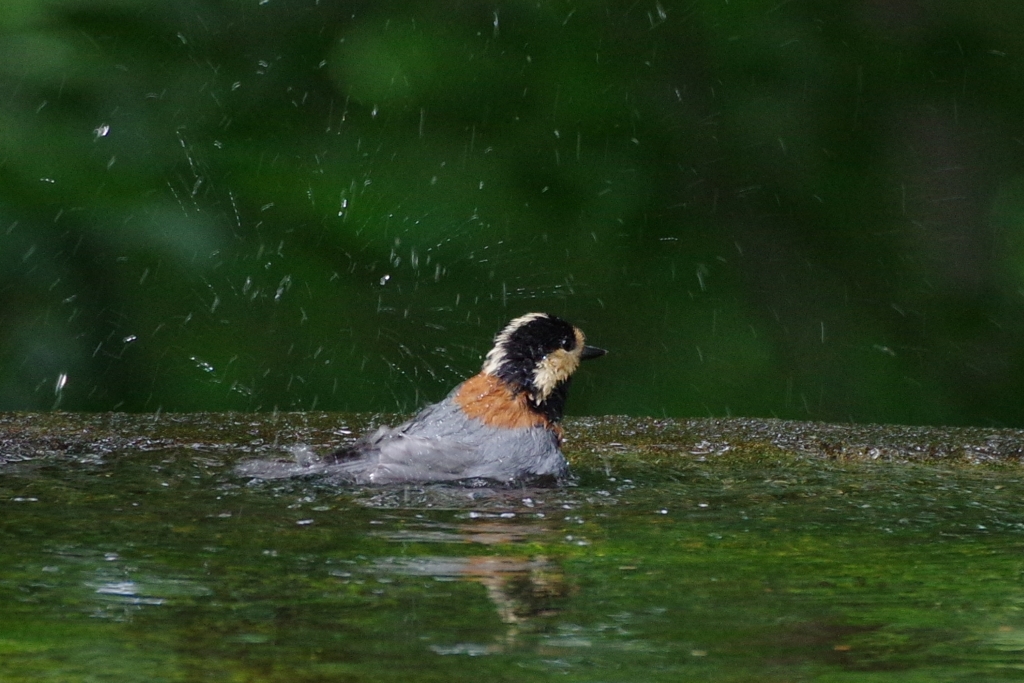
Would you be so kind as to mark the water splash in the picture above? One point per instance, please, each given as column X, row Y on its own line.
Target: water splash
column 58, row 389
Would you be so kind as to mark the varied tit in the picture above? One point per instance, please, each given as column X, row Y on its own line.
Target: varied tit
column 501, row 424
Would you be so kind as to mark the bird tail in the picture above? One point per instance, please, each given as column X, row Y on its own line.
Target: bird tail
column 345, row 463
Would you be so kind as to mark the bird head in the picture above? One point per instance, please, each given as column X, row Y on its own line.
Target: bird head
column 537, row 353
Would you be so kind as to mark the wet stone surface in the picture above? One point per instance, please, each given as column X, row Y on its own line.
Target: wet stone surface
column 589, row 440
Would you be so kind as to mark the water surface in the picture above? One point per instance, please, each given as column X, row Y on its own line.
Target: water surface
column 161, row 565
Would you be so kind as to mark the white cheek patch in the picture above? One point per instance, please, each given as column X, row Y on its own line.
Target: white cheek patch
column 554, row 368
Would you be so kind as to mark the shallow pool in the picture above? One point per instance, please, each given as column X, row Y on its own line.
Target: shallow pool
column 161, row 565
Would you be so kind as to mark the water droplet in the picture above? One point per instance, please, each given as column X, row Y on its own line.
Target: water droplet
column 101, row 131
column 282, row 287
column 201, row 364
column 384, row 279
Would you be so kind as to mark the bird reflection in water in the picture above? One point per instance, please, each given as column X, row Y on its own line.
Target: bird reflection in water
column 522, row 588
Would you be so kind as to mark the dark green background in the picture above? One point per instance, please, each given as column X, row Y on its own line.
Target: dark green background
column 800, row 209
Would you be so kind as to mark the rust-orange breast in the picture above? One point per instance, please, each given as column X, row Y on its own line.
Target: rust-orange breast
column 488, row 399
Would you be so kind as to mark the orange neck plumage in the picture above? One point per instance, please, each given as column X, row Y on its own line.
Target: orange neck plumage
column 490, row 400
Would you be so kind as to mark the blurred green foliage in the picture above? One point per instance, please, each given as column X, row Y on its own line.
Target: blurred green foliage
column 808, row 210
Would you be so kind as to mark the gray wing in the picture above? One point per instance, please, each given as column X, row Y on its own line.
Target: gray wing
column 442, row 444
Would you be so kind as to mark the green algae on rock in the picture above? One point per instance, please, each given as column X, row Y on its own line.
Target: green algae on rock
column 590, row 441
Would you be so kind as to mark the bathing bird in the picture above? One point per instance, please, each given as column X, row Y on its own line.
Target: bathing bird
column 501, row 425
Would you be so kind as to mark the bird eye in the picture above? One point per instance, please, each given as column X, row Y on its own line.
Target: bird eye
column 568, row 343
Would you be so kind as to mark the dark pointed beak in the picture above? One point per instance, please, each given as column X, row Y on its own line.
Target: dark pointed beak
column 591, row 352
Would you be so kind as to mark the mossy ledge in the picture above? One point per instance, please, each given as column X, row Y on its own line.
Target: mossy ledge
column 591, row 440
